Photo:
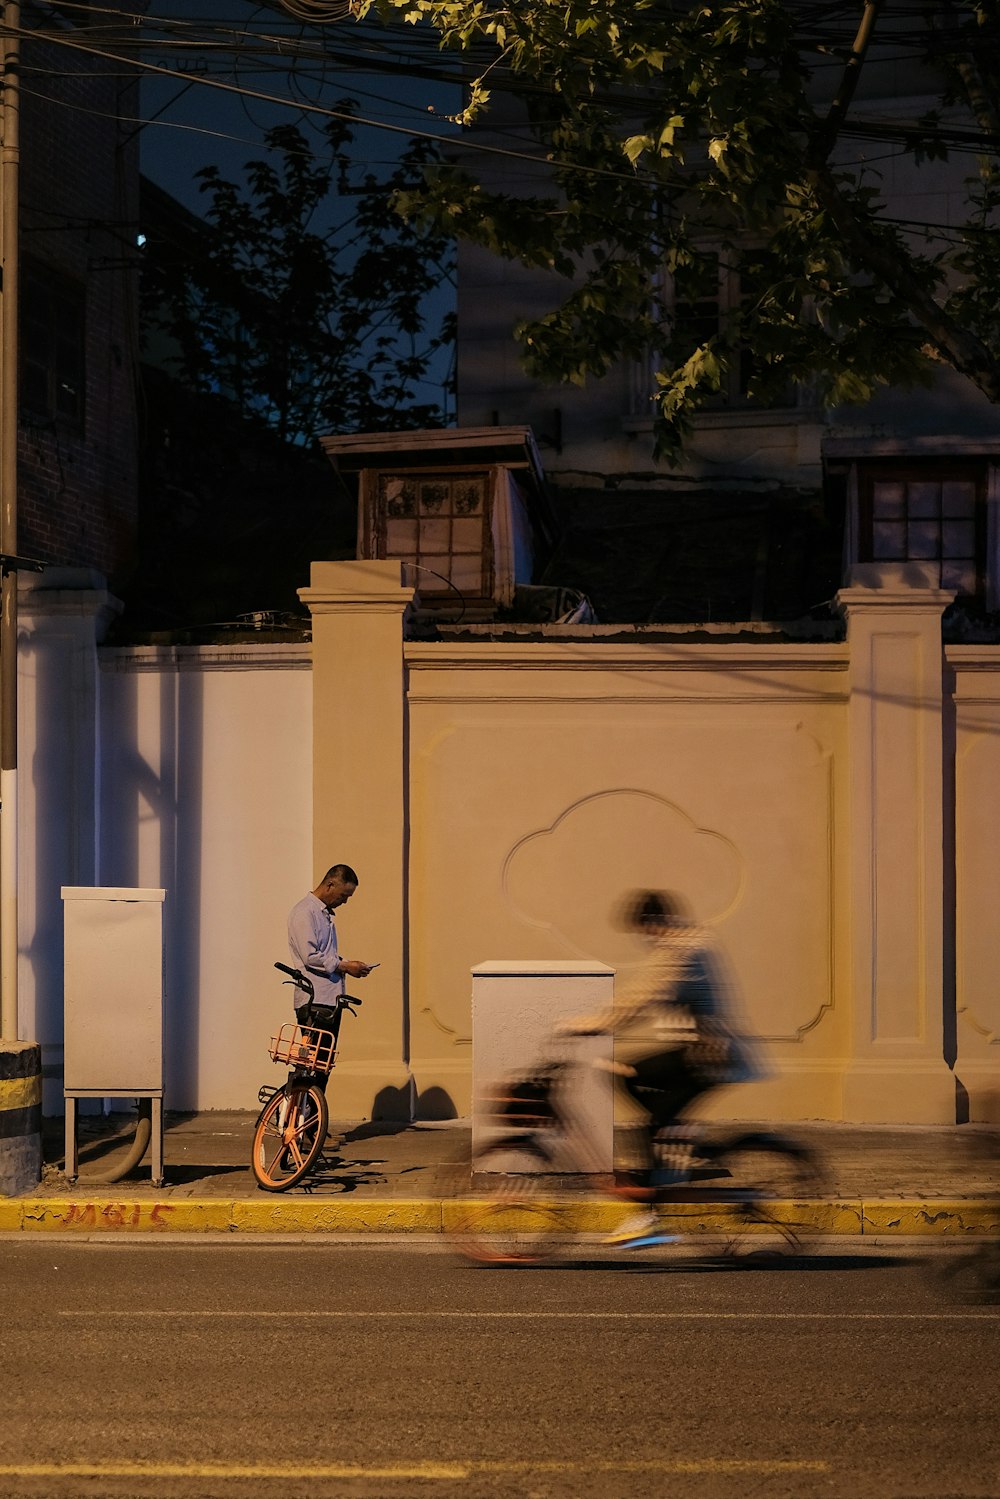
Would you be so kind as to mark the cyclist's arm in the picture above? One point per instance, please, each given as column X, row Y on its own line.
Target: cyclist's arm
column 653, row 984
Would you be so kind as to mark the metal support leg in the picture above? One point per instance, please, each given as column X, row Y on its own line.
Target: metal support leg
column 71, row 1155
column 156, row 1143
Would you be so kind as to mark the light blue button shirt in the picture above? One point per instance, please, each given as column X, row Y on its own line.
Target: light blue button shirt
column 312, row 942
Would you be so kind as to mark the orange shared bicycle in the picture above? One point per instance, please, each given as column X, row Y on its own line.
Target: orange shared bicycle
column 291, row 1127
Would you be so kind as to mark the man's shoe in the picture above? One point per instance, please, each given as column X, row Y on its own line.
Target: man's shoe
column 638, row 1231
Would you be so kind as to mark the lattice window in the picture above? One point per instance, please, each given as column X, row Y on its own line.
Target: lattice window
column 926, row 512
column 439, row 522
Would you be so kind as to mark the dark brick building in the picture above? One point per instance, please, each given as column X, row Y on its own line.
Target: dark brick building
column 79, row 414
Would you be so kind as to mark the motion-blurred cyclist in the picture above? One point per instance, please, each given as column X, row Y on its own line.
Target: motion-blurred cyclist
column 673, row 1042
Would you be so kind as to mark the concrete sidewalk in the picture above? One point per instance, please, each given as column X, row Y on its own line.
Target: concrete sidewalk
column 393, row 1178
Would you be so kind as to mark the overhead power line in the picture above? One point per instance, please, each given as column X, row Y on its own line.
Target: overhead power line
column 324, row 111
column 317, row 10
column 273, row 51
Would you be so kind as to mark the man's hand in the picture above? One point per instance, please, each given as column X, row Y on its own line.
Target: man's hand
column 582, row 1026
column 356, row 968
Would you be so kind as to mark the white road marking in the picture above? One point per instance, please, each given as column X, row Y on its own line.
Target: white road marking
column 457, row 1470
column 299, row 1314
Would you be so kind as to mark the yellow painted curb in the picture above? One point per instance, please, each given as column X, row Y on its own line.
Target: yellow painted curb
column 932, row 1216
column 599, row 1216
column 136, row 1215
column 309, row 1214
column 10, row 1214
column 325, row 1215
column 815, row 1217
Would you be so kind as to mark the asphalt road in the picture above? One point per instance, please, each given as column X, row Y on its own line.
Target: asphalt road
column 319, row 1369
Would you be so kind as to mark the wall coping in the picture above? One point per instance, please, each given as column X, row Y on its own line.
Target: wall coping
column 268, row 656
column 576, row 653
column 985, row 657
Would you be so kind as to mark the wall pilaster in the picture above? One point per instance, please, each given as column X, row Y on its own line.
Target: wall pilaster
column 63, row 615
column 360, row 815
column 897, row 918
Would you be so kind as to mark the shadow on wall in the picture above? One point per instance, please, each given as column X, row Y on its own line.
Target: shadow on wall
column 394, row 1103
column 61, row 853
column 151, row 820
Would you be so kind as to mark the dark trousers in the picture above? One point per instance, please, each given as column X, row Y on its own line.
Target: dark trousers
column 664, row 1085
column 322, row 1018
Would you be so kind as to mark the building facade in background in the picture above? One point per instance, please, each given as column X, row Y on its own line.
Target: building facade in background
column 79, row 416
column 772, row 504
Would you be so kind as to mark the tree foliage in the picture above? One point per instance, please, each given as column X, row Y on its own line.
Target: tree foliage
column 658, row 125
column 307, row 315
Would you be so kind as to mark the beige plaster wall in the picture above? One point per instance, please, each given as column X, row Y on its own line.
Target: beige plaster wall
column 831, row 812
column 977, row 877
column 499, row 798
column 206, row 770
column 547, row 781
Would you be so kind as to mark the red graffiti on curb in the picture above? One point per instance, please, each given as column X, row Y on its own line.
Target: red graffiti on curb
column 116, row 1214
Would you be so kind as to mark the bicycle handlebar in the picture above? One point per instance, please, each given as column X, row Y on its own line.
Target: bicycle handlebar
column 300, row 981
column 298, row 978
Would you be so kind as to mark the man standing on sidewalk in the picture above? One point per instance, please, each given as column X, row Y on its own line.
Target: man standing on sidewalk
column 312, row 941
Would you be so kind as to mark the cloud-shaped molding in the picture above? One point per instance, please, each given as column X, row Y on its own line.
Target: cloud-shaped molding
column 569, row 878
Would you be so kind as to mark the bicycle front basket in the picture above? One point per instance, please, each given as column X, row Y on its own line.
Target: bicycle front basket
column 304, row 1046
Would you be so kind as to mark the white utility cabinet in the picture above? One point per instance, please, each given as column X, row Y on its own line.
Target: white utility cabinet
column 113, row 1002
column 515, row 1007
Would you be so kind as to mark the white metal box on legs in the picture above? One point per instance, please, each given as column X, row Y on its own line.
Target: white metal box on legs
column 113, row 1003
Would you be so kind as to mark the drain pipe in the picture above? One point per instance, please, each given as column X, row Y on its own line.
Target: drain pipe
column 143, row 1134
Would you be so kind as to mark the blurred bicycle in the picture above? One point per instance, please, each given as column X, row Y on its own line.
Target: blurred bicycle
column 534, row 1195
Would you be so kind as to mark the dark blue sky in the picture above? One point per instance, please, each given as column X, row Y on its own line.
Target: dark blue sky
column 255, row 52
column 224, row 41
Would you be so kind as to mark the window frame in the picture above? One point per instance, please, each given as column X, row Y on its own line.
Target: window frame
column 374, row 520
column 730, row 405
column 61, row 294
column 921, row 470
column 732, row 399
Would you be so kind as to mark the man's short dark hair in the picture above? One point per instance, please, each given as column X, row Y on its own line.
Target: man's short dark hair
column 342, row 872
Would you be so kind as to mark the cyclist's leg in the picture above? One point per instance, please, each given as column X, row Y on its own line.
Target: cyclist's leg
column 664, row 1085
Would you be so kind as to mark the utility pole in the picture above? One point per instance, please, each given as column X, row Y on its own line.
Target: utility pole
column 10, row 161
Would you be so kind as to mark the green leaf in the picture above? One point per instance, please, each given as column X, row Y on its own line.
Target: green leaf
column 636, row 145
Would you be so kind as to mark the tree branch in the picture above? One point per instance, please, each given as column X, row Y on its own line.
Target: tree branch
column 957, row 346
column 826, row 136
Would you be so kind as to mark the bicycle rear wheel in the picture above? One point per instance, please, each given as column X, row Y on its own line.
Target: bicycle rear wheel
column 515, row 1221
column 289, row 1136
column 773, row 1181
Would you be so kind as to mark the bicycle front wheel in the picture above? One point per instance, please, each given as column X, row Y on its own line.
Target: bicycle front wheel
column 515, row 1221
column 775, row 1182
column 289, row 1136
